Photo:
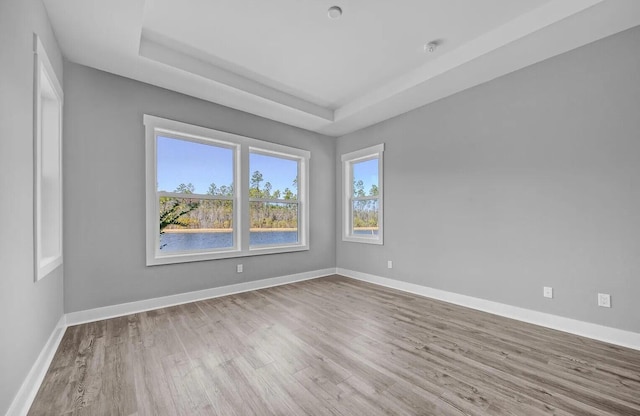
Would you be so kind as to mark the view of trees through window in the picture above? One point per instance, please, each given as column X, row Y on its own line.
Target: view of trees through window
column 365, row 197
column 196, row 196
column 273, row 197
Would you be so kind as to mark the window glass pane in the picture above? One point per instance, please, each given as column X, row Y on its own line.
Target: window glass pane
column 188, row 224
column 273, row 223
column 50, row 180
column 365, row 178
column 189, row 167
column 273, row 177
column 47, row 163
column 365, row 217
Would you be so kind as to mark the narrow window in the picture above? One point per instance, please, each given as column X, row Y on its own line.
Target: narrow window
column 363, row 196
column 48, row 99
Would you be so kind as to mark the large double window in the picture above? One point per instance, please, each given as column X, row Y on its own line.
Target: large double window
column 213, row 195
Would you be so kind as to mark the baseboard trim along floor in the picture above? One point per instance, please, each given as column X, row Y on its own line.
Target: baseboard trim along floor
column 90, row 315
column 333, row 345
column 29, row 388
column 31, row 384
column 24, row 398
column 573, row 326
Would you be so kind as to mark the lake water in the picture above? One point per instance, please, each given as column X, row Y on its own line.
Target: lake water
column 365, row 232
column 202, row 241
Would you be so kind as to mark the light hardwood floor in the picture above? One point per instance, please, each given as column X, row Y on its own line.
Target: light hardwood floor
column 333, row 346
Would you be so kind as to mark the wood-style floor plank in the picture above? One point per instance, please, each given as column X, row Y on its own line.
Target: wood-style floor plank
column 333, row 347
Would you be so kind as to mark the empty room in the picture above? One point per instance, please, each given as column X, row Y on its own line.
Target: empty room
column 314, row 207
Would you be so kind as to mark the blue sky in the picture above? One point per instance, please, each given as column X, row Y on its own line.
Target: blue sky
column 366, row 171
column 182, row 161
column 280, row 172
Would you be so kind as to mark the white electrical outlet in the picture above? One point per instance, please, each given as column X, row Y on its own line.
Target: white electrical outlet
column 547, row 292
column 239, row 268
column 604, row 300
column 389, row 264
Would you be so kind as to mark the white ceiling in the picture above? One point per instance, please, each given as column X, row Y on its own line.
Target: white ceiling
column 287, row 61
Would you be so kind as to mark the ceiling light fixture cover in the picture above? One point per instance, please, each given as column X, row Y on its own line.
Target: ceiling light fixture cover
column 431, row 46
column 335, row 12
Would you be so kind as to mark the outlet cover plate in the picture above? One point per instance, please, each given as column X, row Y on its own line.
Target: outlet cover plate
column 239, row 268
column 604, row 300
column 547, row 292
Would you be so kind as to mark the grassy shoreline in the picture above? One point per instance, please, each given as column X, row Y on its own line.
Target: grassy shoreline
column 253, row 230
column 221, row 230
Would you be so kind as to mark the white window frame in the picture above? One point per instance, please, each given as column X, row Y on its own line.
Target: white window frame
column 48, row 101
column 348, row 160
column 242, row 146
column 302, row 192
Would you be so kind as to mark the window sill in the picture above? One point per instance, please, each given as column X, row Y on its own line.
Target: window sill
column 220, row 255
column 365, row 240
column 48, row 265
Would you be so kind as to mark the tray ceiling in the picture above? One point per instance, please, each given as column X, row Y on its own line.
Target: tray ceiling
column 287, row 61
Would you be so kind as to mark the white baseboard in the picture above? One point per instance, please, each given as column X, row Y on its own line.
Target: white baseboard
column 599, row 332
column 27, row 393
column 97, row 314
column 24, row 398
column 29, row 388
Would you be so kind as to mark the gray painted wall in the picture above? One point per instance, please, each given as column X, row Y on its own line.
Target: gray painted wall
column 30, row 310
column 527, row 181
column 105, row 200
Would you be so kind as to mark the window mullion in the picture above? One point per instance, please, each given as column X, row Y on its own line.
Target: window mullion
column 347, row 173
column 366, row 198
column 270, row 200
column 243, row 198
